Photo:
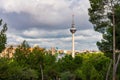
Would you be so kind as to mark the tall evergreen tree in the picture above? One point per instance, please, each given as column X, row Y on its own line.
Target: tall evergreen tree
column 3, row 38
column 101, row 17
column 104, row 14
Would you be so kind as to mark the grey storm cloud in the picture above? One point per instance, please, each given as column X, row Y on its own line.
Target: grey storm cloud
column 43, row 15
column 23, row 21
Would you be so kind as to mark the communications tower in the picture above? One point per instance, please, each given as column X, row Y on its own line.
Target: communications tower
column 73, row 30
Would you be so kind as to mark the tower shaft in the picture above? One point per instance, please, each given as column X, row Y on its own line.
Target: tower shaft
column 73, row 46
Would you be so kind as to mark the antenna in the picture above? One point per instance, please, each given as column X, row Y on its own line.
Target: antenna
column 73, row 21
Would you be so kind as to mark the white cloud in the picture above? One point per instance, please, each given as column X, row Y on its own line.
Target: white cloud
column 33, row 32
column 84, row 39
column 44, row 33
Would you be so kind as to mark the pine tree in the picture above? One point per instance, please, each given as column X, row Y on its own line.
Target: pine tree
column 101, row 17
column 3, row 38
column 104, row 14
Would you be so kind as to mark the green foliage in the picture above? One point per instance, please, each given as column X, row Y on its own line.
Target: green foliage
column 3, row 68
column 94, row 67
column 11, row 70
column 25, row 44
column 32, row 65
column 102, row 20
column 3, row 37
column 102, row 13
column 67, row 76
column 67, row 63
column 87, row 66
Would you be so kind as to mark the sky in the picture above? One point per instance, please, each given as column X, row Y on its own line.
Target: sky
column 47, row 23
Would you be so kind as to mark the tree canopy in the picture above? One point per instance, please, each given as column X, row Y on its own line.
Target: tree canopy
column 3, row 38
column 101, row 16
column 40, row 64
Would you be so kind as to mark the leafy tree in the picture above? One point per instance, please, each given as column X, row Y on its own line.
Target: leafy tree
column 93, row 67
column 3, row 68
column 35, row 60
column 67, row 76
column 28, row 61
column 10, row 70
column 3, row 38
column 21, row 53
column 78, row 61
column 101, row 16
column 25, row 44
column 67, row 63
column 50, row 67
